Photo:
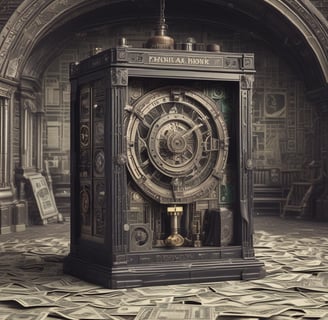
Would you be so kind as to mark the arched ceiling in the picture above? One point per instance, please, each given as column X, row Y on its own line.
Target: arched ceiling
column 39, row 29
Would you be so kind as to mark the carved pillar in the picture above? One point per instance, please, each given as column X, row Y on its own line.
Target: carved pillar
column 7, row 200
column 29, row 133
column 31, row 139
column 4, row 143
column 246, row 177
column 117, row 152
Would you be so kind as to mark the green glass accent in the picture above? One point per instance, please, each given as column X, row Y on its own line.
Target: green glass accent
column 226, row 193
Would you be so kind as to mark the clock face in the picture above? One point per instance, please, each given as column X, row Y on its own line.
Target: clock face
column 140, row 237
column 177, row 144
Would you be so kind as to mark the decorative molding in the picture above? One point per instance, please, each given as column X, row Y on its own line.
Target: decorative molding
column 119, row 77
column 6, row 91
column 121, row 54
column 30, row 105
column 246, row 81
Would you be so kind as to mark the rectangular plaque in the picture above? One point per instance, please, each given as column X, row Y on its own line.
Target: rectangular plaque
column 188, row 60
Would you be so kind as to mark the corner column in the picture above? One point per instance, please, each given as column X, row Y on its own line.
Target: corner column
column 12, row 217
column 117, row 153
column 246, row 164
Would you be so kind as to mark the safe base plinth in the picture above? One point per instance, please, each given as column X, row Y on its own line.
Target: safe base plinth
column 118, row 277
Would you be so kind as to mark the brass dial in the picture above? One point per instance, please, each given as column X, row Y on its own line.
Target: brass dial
column 177, row 144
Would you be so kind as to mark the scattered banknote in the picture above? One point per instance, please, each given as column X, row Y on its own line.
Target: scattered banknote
column 33, row 286
column 183, row 312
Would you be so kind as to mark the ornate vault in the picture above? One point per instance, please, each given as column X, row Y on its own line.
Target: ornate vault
column 161, row 167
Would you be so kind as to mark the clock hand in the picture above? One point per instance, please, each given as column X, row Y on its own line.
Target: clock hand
column 192, row 130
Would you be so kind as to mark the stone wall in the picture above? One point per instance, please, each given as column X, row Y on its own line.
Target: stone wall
column 322, row 6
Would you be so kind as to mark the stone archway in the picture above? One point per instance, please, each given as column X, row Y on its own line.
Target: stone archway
column 298, row 27
column 31, row 22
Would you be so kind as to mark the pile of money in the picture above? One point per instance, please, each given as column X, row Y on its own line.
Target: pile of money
column 33, row 286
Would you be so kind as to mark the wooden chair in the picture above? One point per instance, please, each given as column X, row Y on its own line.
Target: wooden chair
column 299, row 196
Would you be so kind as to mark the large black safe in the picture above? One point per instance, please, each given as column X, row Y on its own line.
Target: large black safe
column 161, row 170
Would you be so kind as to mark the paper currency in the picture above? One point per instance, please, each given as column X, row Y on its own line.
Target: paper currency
column 177, row 312
column 33, row 286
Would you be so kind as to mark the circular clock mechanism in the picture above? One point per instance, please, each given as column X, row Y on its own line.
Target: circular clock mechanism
column 177, row 144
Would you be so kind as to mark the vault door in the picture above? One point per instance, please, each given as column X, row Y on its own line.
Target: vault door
column 177, row 144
